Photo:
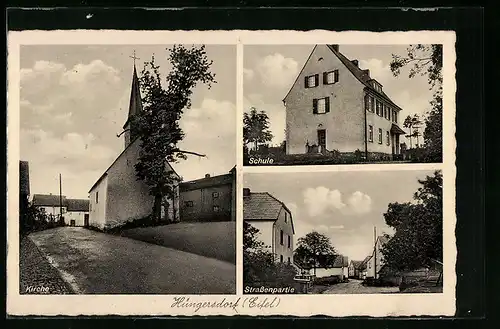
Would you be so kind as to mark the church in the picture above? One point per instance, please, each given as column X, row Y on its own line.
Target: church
column 118, row 196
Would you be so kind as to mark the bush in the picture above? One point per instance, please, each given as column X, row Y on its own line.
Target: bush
column 328, row 280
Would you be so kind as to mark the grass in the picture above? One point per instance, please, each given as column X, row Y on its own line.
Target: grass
column 215, row 240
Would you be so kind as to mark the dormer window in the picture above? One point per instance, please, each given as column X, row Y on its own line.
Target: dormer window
column 377, row 86
column 312, row 81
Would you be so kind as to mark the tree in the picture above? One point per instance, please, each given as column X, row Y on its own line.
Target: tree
column 260, row 266
column 315, row 249
column 427, row 60
column 413, row 123
column 158, row 124
column 418, row 239
column 256, row 128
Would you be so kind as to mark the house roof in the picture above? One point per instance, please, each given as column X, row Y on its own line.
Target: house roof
column 50, row 200
column 395, row 129
column 356, row 263
column 24, row 177
column 206, row 182
column 361, row 75
column 262, row 206
column 341, row 261
column 365, row 261
column 77, row 204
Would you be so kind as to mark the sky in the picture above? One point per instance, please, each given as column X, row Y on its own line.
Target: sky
column 269, row 72
column 74, row 101
column 345, row 205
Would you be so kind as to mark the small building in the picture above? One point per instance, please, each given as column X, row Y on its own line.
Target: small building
column 273, row 220
column 334, row 105
column 354, row 266
column 209, row 199
column 376, row 262
column 50, row 204
column 339, row 268
column 77, row 212
column 363, row 268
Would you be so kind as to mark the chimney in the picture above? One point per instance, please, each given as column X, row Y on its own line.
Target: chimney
column 207, row 175
column 355, row 62
column 335, row 47
column 246, row 191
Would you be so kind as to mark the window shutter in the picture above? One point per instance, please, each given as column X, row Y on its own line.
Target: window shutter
column 336, row 74
column 325, row 78
column 315, row 106
column 327, row 104
column 316, row 80
column 306, row 82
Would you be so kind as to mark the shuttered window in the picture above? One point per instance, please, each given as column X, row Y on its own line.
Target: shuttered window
column 330, row 77
column 321, row 105
column 370, row 133
column 388, row 138
column 379, row 135
column 311, row 81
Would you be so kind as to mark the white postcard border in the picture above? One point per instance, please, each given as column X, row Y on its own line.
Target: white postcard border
column 332, row 305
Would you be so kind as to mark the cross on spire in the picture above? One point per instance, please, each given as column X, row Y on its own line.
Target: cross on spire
column 134, row 57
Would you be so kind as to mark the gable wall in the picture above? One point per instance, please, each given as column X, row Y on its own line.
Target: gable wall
column 345, row 121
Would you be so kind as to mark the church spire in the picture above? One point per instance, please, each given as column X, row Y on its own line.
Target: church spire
column 135, row 105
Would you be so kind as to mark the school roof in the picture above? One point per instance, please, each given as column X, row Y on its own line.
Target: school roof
column 262, row 206
column 206, row 182
column 48, row 200
column 24, row 177
column 77, row 205
column 362, row 75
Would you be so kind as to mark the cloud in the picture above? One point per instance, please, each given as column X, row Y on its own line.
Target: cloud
column 248, row 74
column 360, row 203
column 320, row 200
column 211, row 130
column 378, row 70
column 277, row 71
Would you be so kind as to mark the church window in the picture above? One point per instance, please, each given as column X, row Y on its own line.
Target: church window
column 215, row 195
column 216, row 208
column 188, row 203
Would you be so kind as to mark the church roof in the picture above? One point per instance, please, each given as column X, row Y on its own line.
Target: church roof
column 135, row 105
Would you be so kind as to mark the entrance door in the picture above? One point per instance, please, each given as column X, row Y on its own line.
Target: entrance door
column 321, row 140
column 86, row 220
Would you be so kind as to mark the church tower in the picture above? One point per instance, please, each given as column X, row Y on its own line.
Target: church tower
column 134, row 108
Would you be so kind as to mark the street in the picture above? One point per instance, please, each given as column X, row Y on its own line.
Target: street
column 98, row 263
column 354, row 286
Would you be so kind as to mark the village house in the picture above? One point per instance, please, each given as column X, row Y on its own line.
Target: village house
column 354, row 268
column 274, row 222
column 334, row 105
column 376, row 262
column 209, row 199
column 77, row 212
column 363, row 268
column 339, row 268
column 51, row 205
column 118, row 196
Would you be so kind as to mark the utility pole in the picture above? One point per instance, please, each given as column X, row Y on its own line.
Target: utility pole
column 375, row 252
column 60, row 200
